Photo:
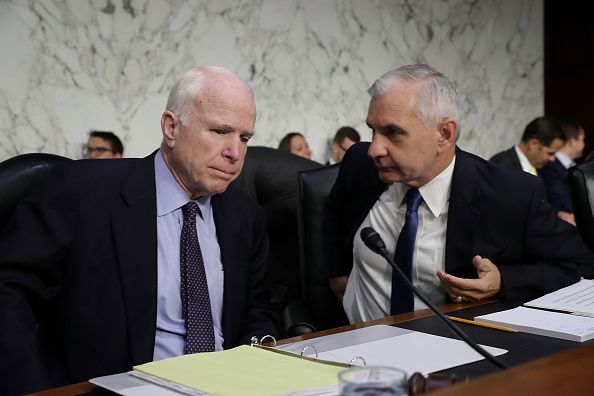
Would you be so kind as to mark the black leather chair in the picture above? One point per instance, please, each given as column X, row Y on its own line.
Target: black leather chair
column 269, row 177
column 18, row 175
column 322, row 309
column 581, row 185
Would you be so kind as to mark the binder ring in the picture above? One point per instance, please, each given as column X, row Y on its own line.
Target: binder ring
column 353, row 360
column 268, row 336
column 309, row 346
column 254, row 341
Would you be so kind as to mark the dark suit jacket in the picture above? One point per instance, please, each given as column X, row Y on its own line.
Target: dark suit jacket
column 554, row 175
column 79, row 257
column 507, row 158
column 494, row 212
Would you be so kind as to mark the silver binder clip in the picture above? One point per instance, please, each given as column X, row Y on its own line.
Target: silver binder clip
column 353, row 360
column 309, row 346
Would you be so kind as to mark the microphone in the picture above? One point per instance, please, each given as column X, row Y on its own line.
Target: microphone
column 375, row 242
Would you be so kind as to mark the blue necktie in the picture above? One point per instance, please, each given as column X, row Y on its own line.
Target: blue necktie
column 402, row 298
column 194, row 287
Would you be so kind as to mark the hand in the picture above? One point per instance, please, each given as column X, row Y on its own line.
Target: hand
column 568, row 217
column 487, row 285
column 338, row 285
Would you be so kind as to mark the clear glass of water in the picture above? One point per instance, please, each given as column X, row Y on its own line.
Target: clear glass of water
column 372, row 381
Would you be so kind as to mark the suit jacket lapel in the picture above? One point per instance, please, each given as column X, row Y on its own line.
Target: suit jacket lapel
column 463, row 217
column 134, row 225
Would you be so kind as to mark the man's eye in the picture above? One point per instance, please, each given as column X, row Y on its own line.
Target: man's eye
column 246, row 138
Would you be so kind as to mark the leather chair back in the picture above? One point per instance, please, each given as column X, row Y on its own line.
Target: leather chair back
column 314, row 187
column 269, row 177
column 18, row 175
column 581, row 185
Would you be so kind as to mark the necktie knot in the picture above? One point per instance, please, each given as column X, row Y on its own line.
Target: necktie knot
column 189, row 210
column 413, row 199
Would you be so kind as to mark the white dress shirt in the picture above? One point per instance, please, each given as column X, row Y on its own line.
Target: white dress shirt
column 524, row 162
column 565, row 160
column 369, row 287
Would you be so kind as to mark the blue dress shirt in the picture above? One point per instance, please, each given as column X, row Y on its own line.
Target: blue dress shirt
column 170, row 334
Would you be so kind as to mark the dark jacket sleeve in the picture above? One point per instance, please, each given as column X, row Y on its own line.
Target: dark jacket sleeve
column 555, row 180
column 554, row 255
column 33, row 245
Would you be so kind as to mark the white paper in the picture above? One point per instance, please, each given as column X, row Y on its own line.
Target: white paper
column 407, row 350
column 130, row 385
column 547, row 323
column 577, row 298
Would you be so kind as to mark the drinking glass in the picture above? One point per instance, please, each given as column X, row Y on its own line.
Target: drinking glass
column 372, row 381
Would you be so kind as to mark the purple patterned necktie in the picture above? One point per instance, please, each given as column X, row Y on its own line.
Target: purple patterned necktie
column 402, row 299
column 194, row 287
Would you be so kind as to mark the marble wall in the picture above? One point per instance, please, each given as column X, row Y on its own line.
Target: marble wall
column 69, row 66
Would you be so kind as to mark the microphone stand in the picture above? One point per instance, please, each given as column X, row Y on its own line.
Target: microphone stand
column 374, row 242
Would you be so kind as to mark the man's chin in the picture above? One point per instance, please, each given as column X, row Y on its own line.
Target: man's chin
column 389, row 177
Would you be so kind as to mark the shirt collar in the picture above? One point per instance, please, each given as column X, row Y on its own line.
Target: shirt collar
column 524, row 162
column 565, row 160
column 170, row 195
column 436, row 193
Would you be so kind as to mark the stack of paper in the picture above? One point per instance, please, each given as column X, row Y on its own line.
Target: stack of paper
column 567, row 314
column 546, row 323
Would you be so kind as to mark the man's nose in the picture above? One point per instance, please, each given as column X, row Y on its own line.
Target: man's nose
column 232, row 148
column 377, row 147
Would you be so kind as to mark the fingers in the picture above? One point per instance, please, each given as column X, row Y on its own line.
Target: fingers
column 486, row 285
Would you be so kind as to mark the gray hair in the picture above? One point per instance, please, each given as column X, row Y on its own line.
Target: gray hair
column 188, row 88
column 437, row 97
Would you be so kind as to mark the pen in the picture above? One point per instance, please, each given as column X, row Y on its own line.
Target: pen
column 481, row 324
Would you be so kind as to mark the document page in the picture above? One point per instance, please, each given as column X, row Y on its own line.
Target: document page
column 547, row 323
column 244, row 370
column 577, row 299
column 407, row 350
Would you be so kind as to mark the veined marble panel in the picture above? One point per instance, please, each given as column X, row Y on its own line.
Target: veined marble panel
column 69, row 66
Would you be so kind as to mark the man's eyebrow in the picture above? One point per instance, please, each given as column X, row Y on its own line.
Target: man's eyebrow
column 390, row 126
column 222, row 127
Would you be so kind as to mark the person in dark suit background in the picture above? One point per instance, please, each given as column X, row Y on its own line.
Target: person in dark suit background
column 343, row 139
column 554, row 174
column 90, row 278
column 473, row 241
column 541, row 139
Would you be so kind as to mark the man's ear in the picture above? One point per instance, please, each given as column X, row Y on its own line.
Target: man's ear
column 169, row 123
column 448, row 131
column 533, row 144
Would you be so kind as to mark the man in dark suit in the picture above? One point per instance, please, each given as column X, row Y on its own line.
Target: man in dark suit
column 102, row 268
column 554, row 174
column 481, row 230
column 540, row 141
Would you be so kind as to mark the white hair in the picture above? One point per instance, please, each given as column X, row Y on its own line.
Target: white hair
column 189, row 87
column 437, row 98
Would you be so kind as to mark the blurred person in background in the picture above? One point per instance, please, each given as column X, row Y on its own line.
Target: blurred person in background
column 554, row 174
column 103, row 145
column 344, row 138
column 294, row 143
